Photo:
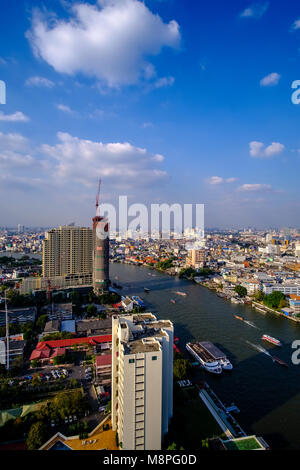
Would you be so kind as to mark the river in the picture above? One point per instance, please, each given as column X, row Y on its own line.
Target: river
column 267, row 393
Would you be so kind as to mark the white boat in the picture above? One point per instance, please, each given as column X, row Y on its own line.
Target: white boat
column 216, row 354
column 203, row 358
column 226, row 364
column 181, row 293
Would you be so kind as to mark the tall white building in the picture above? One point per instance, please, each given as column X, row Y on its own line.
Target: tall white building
column 142, row 380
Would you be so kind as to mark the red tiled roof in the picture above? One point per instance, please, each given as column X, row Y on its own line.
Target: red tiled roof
column 64, row 343
column 42, row 353
column 58, row 352
column 103, row 360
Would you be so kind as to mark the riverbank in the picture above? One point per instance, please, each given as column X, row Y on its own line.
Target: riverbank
column 202, row 315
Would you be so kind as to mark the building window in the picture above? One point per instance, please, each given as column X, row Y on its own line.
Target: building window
column 131, row 361
column 154, row 358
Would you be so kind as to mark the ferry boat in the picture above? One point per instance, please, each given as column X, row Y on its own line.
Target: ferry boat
column 173, row 301
column 146, row 289
column 180, row 293
column 217, row 355
column 204, row 358
column 271, row 340
column 282, row 363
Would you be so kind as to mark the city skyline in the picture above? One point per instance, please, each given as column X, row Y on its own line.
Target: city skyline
column 195, row 107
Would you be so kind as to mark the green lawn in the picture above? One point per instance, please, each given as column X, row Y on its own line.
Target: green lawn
column 243, row 444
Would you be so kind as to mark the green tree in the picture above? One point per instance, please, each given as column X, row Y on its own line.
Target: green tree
column 18, row 363
column 273, row 300
column 36, row 380
column 35, row 363
column 91, row 311
column 259, row 296
column 242, row 291
column 181, row 369
column 41, row 322
column 282, row 303
column 37, row 436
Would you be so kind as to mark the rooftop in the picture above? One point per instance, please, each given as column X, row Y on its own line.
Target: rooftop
column 141, row 346
column 97, row 440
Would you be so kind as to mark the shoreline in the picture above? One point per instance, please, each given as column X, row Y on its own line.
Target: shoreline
column 252, row 303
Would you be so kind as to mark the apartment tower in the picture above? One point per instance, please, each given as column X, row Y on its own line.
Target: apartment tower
column 67, row 250
column 142, row 380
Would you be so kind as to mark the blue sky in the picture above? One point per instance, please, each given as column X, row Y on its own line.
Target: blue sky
column 166, row 102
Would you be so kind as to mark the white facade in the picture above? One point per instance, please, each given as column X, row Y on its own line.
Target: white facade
column 285, row 289
column 142, row 380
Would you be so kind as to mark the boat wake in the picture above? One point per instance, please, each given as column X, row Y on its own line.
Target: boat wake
column 250, row 323
column 259, row 348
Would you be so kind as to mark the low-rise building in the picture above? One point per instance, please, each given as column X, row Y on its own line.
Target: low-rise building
column 93, row 327
column 16, row 349
column 103, row 368
column 20, row 315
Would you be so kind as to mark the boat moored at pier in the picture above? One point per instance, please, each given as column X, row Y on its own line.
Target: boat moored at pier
column 205, row 359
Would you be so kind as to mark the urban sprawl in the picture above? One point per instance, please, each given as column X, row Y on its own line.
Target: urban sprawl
column 85, row 366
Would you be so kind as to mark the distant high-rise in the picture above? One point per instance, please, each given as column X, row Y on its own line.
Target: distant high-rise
column 100, row 254
column 20, row 228
column 142, row 380
column 100, row 250
column 68, row 250
column 198, row 257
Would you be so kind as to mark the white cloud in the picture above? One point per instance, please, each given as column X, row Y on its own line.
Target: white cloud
column 65, row 108
column 255, row 187
column 295, row 25
column 13, row 141
column 71, row 161
column 256, row 10
column 121, row 163
column 40, row 82
column 110, row 40
column 219, row 180
column 15, row 117
column 258, row 149
column 230, row 180
column 163, row 82
column 271, row 79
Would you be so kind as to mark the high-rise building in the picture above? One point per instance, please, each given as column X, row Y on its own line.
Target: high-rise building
column 142, row 380
column 68, row 250
column 100, row 254
column 197, row 257
column 20, row 228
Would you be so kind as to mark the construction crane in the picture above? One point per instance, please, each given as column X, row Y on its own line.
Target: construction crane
column 98, row 195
